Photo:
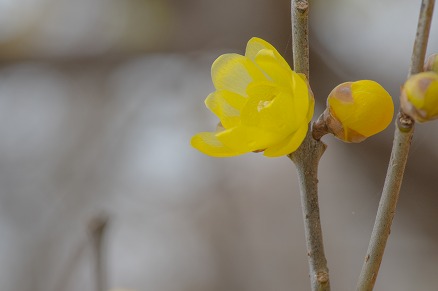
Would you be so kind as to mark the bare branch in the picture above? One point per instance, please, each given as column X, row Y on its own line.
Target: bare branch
column 307, row 157
column 300, row 36
column 306, row 160
column 96, row 228
column 399, row 155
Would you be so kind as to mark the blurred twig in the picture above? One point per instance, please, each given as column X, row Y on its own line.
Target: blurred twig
column 96, row 228
column 307, row 157
column 400, row 150
column 72, row 263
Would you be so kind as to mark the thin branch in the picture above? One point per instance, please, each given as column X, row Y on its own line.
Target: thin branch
column 399, row 155
column 71, row 263
column 306, row 159
column 96, row 228
column 386, row 210
column 422, row 37
column 300, row 36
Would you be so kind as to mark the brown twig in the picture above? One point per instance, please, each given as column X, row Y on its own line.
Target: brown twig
column 307, row 157
column 399, row 155
column 306, row 160
column 300, row 36
column 96, row 228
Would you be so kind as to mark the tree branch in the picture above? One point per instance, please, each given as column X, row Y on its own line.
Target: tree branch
column 399, row 155
column 96, row 228
column 300, row 36
column 422, row 37
column 306, row 159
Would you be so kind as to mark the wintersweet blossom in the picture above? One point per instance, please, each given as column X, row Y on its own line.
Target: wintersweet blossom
column 419, row 96
column 261, row 103
column 357, row 110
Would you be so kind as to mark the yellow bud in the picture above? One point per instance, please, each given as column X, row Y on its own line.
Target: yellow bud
column 419, row 97
column 432, row 63
column 357, row 110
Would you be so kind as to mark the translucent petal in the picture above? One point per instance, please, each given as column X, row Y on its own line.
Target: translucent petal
column 270, row 109
column 226, row 105
column 288, row 145
column 255, row 45
column 248, row 139
column 311, row 98
column 277, row 72
column 208, row 143
column 233, row 72
column 311, row 108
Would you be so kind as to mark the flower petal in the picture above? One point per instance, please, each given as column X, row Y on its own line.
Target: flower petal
column 272, row 109
column 275, row 70
column 311, row 98
column 311, row 107
column 208, row 143
column 233, row 72
column 226, row 105
column 267, row 109
column 255, row 45
column 248, row 139
column 288, row 145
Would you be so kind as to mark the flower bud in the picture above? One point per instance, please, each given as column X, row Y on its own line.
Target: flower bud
column 432, row 63
column 419, row 97
column 357, row 110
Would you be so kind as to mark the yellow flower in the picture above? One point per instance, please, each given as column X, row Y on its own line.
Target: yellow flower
column 357, row 110
column 419, row 96
column 262, row 104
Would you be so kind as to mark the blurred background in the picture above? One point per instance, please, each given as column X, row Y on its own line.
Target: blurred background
column 98, row 102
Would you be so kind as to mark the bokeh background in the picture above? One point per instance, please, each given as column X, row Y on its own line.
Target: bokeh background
column 98, row 102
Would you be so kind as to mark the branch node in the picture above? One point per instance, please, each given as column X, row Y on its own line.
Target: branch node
column 404, row 122
column 319, row 128
column 322, row 277
column 302, row 6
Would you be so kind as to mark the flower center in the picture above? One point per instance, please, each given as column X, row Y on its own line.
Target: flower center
column 263, row 104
